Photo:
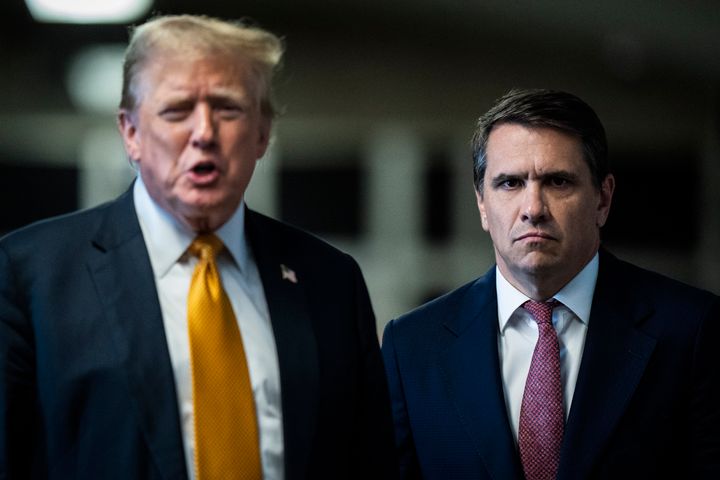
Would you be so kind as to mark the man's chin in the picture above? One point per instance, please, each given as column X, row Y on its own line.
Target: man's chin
column 206, row 202
column 204, row 213
column 537, row 262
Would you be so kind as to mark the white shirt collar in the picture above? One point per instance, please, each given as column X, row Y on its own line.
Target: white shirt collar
column 576, row 295
column 167, row 240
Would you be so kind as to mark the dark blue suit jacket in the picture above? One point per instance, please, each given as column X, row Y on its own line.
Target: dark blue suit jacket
column 86, row 385
column 646, row 402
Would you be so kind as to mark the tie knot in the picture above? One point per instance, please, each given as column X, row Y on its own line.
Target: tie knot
column 541, row 311
column 206, row 246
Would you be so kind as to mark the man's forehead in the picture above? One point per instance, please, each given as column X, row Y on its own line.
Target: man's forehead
column 174, row 77
column 514, row 148
column 172, row 66
column 180, row 91
column 512, row 138
column 525, row 133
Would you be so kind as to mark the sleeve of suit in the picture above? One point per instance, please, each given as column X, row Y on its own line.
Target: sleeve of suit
column 405, row 447
column 705, row 401
column 17, row 378
column 374, row 452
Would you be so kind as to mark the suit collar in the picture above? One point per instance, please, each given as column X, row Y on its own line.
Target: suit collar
column 615, row 356
column 472, row 372
column 119, row 225
column 474, row 304
column 124, row 281
column 294, row 337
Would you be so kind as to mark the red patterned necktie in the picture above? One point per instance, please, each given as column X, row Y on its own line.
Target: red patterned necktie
column 542, row 419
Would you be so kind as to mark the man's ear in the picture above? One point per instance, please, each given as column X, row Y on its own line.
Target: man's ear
column 127, row 124
column 481, row 209
column 264, row 128
column 607, row 187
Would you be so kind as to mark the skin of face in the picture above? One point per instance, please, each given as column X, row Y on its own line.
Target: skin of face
column 540, row 207
column 196, row 135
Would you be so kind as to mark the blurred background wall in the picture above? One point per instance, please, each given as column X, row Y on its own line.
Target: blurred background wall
column 380, row 99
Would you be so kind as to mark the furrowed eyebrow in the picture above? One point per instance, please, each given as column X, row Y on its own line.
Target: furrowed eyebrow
column 232, row 94
column 179, row 101
column 227, row 97
column 564, row 174
column 503, row 177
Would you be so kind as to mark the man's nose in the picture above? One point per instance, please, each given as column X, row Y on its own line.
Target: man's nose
column 535, row 208
column 204, row 128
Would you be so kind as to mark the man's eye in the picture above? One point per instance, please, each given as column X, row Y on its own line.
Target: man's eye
column 559, row 181
column 510, row 183
column 229, row 110
column 174, row 114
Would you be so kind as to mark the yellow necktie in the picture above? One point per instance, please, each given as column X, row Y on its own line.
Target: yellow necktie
column 226, row 436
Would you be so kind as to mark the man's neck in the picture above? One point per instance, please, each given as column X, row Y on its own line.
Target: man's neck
column 539, row 286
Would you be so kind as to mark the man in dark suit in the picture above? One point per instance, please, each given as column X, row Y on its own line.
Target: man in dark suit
column 562, row 361
column 101, row 352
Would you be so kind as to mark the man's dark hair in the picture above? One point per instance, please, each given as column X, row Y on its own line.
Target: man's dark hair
column 544, row 108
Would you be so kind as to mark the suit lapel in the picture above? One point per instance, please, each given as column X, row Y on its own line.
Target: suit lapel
column 124, row 280
column 472, row 372
column 614, row 359
column 294, row 338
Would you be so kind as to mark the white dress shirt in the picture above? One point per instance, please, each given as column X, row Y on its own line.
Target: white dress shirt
column 519, row 334
column 167, row 242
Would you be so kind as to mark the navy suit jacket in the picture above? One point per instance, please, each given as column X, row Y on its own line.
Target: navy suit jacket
column 646, row 402
column 86, row 385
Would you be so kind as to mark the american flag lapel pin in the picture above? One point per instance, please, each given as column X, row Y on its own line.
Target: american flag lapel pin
column 288, row 274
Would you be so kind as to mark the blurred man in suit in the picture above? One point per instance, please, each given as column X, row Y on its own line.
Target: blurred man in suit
column 562, row 361
column 174, row 333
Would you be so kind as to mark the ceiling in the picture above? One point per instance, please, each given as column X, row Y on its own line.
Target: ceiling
column 638, row 37
column 432, row 57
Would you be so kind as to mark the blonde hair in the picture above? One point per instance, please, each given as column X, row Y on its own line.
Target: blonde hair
column 201, row 35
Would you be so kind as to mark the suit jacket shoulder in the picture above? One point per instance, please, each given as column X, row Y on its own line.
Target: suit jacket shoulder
column 450, row 311
column 639, row 284
column 647, row 394
column 87, row 389
column 71, row 233
column 283, row 238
